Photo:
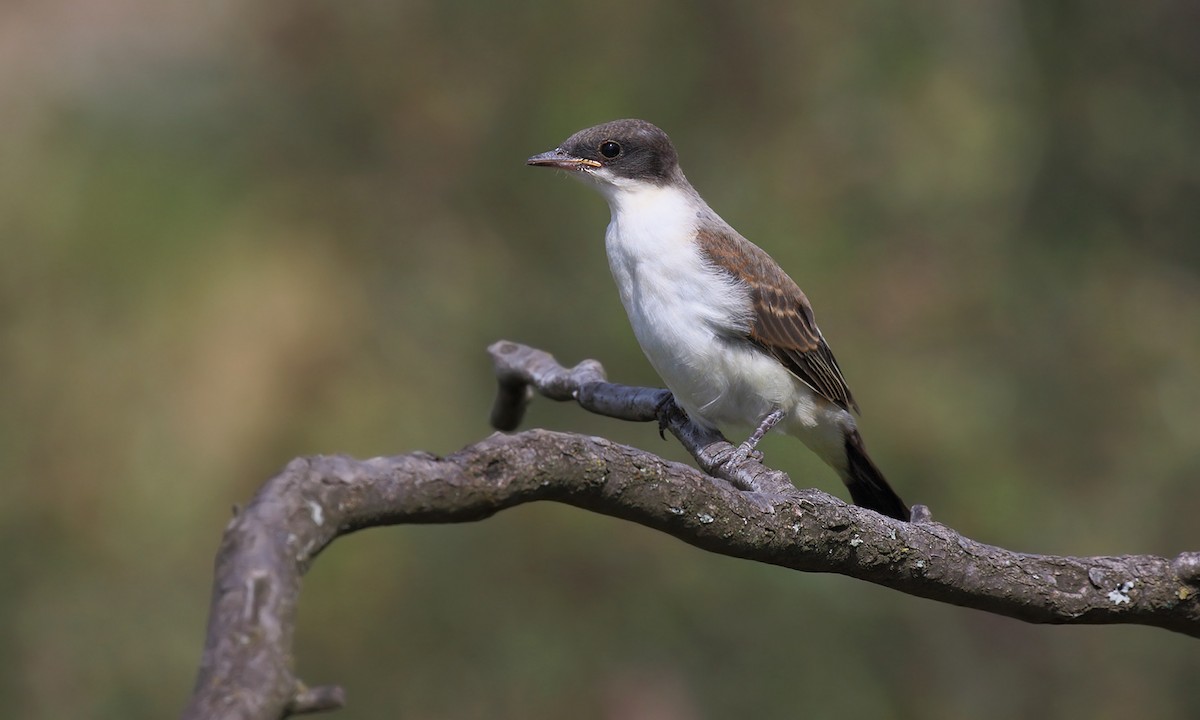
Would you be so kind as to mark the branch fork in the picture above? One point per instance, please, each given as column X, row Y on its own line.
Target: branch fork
column 246, row 670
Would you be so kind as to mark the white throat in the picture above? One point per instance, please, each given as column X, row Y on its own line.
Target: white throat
column 652, row 249
column 682, row 308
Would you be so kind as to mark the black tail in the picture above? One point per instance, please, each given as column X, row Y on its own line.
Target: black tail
column 867, row 485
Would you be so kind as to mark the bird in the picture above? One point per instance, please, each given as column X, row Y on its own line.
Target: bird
column 726, row 328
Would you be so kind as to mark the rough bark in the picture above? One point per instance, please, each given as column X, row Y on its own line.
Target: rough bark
column 246, row 669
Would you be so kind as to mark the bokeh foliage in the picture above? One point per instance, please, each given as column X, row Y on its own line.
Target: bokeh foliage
column 233, row 233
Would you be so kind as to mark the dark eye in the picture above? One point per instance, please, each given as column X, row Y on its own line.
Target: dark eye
column 610, row 149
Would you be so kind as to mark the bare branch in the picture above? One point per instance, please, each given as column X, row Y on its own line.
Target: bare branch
column 246, row 670
column 520, row 370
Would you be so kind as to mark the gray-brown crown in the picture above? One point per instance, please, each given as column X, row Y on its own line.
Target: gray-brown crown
column 630, row 148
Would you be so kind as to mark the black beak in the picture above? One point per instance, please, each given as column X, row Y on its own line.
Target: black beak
column 559, row 159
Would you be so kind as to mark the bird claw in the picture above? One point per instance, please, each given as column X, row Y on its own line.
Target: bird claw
column 716, row 456
column 728, row 462
column 752, row 453
column 729, row 457
column 664, row 411
column 739, row 455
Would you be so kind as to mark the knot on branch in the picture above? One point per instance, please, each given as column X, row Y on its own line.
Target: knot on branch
column 1187, row 567
column 322, row 698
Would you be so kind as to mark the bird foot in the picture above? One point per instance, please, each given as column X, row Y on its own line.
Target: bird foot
column 761, row 486
column 733, row 458
column 665, row 410
column 745, row 452
column 730, row 456
column 729, row 462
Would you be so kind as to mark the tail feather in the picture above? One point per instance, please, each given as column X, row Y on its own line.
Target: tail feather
column 866, row 483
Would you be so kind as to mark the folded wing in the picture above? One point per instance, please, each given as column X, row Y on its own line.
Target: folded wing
column 782, row 323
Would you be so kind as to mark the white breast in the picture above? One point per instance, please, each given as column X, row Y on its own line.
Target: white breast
column 685, row 313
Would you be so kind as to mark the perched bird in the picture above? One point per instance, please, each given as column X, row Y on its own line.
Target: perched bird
column 731, row 335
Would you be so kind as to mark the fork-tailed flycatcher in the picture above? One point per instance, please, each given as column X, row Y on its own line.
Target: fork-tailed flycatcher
column 729, row 332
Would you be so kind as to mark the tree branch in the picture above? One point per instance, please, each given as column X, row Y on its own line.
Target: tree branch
column 246, row 669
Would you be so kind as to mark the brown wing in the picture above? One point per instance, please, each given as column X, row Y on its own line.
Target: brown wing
column 782, row 323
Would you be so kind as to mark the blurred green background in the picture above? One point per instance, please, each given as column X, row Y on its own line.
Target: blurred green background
column 234, row 233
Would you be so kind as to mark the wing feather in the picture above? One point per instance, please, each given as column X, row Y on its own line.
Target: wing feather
column 782, row 323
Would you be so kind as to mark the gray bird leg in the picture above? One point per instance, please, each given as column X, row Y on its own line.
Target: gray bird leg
column 734, row 456
column 764, row 427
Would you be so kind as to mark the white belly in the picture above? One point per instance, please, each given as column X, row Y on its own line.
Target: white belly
column 691, row 321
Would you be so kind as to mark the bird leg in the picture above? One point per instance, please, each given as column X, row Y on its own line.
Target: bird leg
column 764, row 427
column 762, row 486
column 731, row 457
